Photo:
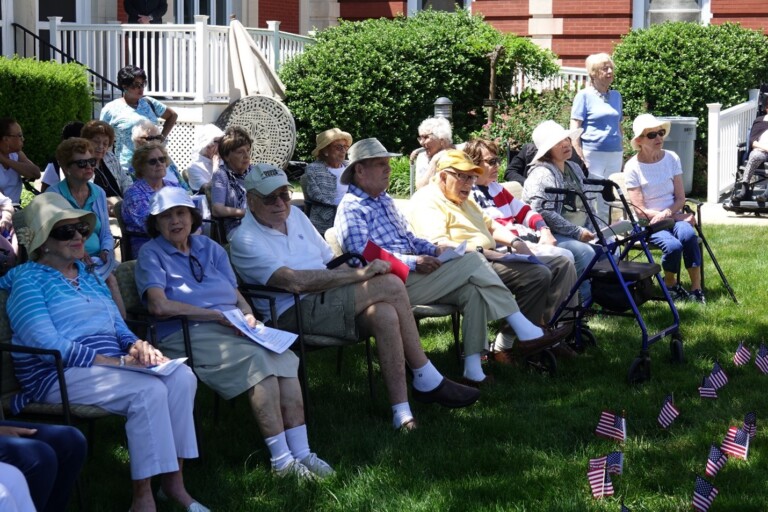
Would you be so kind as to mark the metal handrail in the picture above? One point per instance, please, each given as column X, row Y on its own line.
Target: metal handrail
column 105, row 82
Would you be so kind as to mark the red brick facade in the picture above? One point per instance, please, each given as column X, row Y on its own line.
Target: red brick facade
column 363, row 9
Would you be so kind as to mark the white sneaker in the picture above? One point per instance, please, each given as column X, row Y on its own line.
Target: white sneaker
column 317, row 465
column 297, row 469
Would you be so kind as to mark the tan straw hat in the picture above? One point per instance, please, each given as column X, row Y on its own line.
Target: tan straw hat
column 323, row 139
column 363, row 150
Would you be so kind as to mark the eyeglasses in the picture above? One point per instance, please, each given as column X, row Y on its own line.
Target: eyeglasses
column 67, row 232
column 424, row 137
column 340, row 147
column 153, row 137
column 158, row 160
column 272, row 198
column 19, row 135
column 138, row 85
column 463, row 178
column 492, row 162
column 652, row 135
column 83, row 163
column 197, row 269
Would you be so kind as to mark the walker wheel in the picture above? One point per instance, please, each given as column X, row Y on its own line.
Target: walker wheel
column 587, row 337
column 543, row 362
column 639, row 370
column 676, row 348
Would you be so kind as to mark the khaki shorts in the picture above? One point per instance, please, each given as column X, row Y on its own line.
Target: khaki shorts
column 329, row 313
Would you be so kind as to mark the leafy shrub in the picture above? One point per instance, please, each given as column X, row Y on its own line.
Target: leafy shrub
column 43, row 96
column 675, row 69
column 400, row 179
column 516, row 119
column 380, row 78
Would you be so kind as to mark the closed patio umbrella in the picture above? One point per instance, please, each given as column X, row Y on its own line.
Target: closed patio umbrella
column 249, row 71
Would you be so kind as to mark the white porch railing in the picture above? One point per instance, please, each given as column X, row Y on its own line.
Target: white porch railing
column 567, row 78
column 727, row 129
column 183, row 61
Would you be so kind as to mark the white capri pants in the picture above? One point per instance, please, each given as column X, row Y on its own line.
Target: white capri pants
column 601, row 165
column 160, row 426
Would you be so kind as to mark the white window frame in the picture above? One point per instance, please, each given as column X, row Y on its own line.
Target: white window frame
column 640, row 17
column 212, row 20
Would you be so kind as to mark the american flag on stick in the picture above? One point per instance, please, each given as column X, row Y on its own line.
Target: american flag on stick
column 742, row 355
column 707, row 390
column 612, row 426
column 703, row 494
column 614, row 462
column 761, row 360
column 599, row 481
column 668, row 412
column 718, row 376
column 715, row 461
column 750, row 424
column 736, row 443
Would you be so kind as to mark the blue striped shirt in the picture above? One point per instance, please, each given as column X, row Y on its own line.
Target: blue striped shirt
column 361, row 217
column 46, row 311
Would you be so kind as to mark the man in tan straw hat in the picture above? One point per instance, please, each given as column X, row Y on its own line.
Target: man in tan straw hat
column 277, row 245
column 367, row 212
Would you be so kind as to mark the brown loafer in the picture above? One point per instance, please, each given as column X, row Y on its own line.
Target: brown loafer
column 548, row 339
column 448, row 394
column 564, row 351
column 489, row 380
column 504, row 357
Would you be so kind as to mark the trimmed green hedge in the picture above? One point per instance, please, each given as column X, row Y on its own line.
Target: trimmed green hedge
column 43, row 96
column 380, row 78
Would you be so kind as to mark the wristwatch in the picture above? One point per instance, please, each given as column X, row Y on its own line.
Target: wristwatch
column 479, row 249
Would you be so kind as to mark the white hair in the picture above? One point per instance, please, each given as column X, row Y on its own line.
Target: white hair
column 595, row 62
column 439, row 127
column 142, row 129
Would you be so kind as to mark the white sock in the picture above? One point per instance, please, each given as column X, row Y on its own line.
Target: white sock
column 280, row 454
column 427, row 377
column 401, row 414
column 524, row 328
column 503, row 342
column 473, row 369
column 298, row 442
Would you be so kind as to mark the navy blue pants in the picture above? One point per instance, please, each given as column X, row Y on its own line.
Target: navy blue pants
column 51, row 459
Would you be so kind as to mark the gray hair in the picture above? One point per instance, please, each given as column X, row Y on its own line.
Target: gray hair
column 596, row 61
column 439, row 127
column 142, row 129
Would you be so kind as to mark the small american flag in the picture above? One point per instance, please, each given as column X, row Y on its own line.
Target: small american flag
column 750, row 424
column 599, row 481
column 761, row 360
column 718, row 376
column 736, row 443
column 703, row 494
column 707, row 390
column 742, row 355
column 611, row 426
column 668, row 412
column 614, row 462
column 715, row 461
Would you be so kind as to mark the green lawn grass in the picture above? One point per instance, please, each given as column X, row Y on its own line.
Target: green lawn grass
column 525, row 445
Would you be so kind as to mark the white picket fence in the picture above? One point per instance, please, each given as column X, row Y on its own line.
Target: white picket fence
column 568, row 78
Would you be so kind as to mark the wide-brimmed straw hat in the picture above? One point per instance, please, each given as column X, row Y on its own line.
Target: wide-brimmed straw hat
column 548, row 135
column 363, row 150
column 644, row 122
column 323, row 139
column 459, row 161
column 34, row 223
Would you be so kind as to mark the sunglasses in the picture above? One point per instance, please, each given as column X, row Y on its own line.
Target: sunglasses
column 67, row 232
column 493, row 162
column 272, row 198
column 153, row 137
column 653, row 135
column 158, row 160
column 463, row 178
column 137, row 85
column 197, row 269
column 83, row 163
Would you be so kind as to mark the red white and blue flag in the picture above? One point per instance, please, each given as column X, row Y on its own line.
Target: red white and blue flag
column 718, row 376
column 703, row 494
column 742, row 355
column 715, row 461
column 611, row 426
column 707, row 389
column 736, row 443
column 599, row 481
column 761, row 359
column 613, row 462
column 668, row 412
column 750, row 424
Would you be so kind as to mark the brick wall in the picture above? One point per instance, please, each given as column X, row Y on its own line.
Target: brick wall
column 355, row 10
column 284, row 11
column 122, row 16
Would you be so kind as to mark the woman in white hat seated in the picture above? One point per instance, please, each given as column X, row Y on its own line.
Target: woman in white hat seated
column 551, row 168
column 55, row 303
column 320, row 182
column 204, row 152
column 654, row 180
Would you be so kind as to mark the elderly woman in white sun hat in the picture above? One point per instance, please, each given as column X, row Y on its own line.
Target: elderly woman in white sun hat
column 551, row 168
column 204, row 151
column 654, row 180
column 320, row 182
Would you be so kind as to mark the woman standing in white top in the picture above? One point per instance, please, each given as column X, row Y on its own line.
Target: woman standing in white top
column 14, row 164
